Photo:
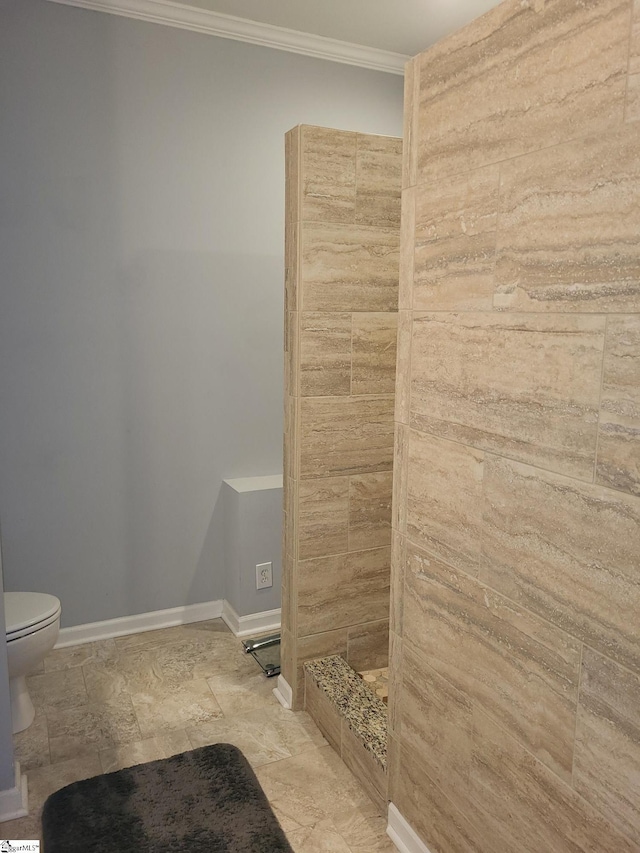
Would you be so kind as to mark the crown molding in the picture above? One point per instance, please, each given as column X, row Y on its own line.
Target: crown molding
column 241, row 29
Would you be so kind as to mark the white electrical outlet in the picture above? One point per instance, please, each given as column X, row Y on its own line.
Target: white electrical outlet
column 264, row 575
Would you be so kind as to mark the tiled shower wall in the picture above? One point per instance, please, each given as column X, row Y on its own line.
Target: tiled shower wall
column 342, row 259
column 515, row 643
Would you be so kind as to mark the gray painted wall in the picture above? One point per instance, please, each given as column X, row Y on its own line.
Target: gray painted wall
column 253, row 535
column 141, row 241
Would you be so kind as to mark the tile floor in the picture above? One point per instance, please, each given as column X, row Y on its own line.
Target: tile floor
column 377, row 680
column 106, row 705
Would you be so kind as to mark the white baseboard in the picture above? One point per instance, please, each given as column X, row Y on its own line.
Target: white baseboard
column 254, row 623
column 402, row 834
column 140, row 622
column 14, row 801
column 283, row 692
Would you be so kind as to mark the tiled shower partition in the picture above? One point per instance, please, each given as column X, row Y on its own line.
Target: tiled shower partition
column 515, row 699
column 342, row 268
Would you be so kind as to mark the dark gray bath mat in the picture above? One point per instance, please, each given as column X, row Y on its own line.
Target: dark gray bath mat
column 204, row 801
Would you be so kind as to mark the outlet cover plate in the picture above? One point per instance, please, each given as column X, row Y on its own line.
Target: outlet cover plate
column 264, row 575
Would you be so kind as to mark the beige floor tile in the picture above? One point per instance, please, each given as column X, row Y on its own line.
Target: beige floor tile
column 237, row 693
column 320, row 838
column 65, row 689
column 134, row 670
column 31, row 747
column 364, row 831
column 170, row 708
column 140, row 752
column 154, row 687
column 203, row 657
column 295, row 729
column 24, row 829
column 153, row 639
column 253, row 734
column 100, row 651
column 89, row 728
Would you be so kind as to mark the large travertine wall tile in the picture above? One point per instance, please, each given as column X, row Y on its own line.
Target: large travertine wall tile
column 341, row 295
column 349, row 268
column 368, row 645
column 325, row 354
column 444, row 499
column 607, row 765
column 522, row 806
column 433, row 815
column 400, row 475
column 634, row 59
column 436, row 722
column 292, row 175
column 323, row 517
column 619, row 427
column 292, row 353
column 291, row 267
column 398, row 559
column 394, row 707
column 481, row 98
column 345, row 435
column 455, row 242
column 410, row 126
column 370, row 510
column 403, row 367
column 526, row 386
column 567, row 551
column 569, row 224
column 407, row 240
column 349, row 589
column 633, row 98
column 373, row 357
column 328, row 174
column 378, row 179
column 521, row 670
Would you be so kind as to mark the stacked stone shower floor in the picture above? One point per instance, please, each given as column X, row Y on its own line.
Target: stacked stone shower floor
column 352, row 718
column 377, row 680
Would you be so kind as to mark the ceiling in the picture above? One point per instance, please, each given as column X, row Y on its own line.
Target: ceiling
column 402, row 26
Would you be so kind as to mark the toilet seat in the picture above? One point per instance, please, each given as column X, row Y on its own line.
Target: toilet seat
column 28, row 612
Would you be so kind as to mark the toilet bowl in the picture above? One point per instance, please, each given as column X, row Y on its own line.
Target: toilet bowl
column 33, row 624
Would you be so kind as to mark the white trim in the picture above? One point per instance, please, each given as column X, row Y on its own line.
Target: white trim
column 402, row 833
column 241, row 29
column 254, row 623
column 14, row 801
column 283, row 692
column 140, row 622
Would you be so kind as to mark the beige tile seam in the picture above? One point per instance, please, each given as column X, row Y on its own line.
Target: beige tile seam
column 455, row 806
column 571, row 140
column 345, row 628
column 477, row 707
column 597, row 447
column 629, row 45
column 348, row 554
column 509, row 458
column 516, row 604
column 587, row 805
column 575, row 728
column 497, row 233
column 352, row 324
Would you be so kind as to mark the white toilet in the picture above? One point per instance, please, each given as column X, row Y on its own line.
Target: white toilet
column 33, row 623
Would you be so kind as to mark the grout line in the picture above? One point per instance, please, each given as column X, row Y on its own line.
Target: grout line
column 599, row 412
column 575, row 727
column 625, row 104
